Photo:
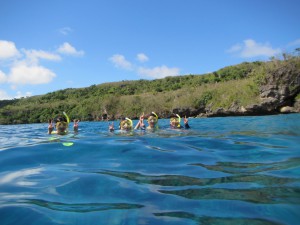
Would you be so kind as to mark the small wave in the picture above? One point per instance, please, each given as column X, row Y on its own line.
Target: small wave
column 250, row 168
column 179, row 180
column 272, row 195
column 216, row 220
column 81, row 207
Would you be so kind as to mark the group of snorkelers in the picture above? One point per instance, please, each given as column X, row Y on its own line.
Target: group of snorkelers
column 126, row 124
column 152, row 119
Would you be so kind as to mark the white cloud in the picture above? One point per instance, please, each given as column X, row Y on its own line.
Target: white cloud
column 294, row 43
column 3, row 77
column 142, row 57
column 26, row 69
column 158, row 72
column 120, row 62
column 20, row 94
column 68, row 49
column 8, row 50
column 33, row 56
column 25, row 74
column 235, row 48
column 65, row 30
column 4, row 95
column 25, row 66
column 250, row 49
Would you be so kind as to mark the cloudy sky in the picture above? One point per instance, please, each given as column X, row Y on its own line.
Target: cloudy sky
column 48, row 45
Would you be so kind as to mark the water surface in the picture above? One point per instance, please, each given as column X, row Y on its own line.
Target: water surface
column 233, row 170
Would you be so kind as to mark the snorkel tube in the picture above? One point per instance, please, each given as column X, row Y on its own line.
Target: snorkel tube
column 155, row 115
column 68, row 120
column 67, row 117
column 179, row 119
column 130, row 122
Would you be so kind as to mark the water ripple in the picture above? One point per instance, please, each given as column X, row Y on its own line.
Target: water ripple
column 179, row 180
column 271, row 195
column 238, row 168
column 206, row 220
column 81, row 207
column 234, row 170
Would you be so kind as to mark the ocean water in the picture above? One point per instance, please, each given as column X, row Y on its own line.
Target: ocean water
column 233, row 170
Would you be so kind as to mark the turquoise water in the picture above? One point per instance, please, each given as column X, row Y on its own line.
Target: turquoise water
column 233, row 170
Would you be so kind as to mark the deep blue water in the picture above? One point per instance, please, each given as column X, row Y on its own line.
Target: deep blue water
column 233, row 170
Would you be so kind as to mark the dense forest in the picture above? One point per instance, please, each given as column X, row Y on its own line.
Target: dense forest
column 238, row 84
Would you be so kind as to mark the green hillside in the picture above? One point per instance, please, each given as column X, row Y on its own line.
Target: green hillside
column 237, row 85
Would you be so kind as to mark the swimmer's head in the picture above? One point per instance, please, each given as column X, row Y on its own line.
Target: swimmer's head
column 126, row 124
column 61, row 127
column 175, row 120
column 153, row 118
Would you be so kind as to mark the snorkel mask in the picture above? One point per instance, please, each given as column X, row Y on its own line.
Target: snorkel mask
column 61, row 127
column 153, row 121
column 175, row 120
column 153, row 117
column 126, row 124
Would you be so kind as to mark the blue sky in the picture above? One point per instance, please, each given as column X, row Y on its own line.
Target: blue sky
column 48, row 45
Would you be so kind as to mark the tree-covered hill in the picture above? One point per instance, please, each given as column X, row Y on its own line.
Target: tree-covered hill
column 237, row 86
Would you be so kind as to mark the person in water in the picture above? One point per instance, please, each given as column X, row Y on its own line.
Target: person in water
column 76, row 125
column 111, row 127
column 175, row 122
column 125, row 125
column 152, row 122
column 61, row 125
column 50, row 126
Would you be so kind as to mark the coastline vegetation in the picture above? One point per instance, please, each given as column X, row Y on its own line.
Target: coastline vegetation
column 238, row 84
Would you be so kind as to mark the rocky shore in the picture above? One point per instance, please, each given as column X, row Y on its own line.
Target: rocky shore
column 277, row 95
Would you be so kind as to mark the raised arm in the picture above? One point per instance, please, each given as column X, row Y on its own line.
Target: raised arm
column 140, row 124
column 186, row 123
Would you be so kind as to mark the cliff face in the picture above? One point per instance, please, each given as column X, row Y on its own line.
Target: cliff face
column 278, row 94
column 281, row 89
